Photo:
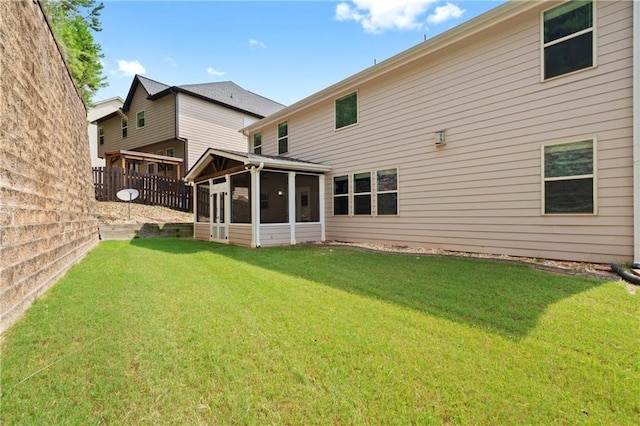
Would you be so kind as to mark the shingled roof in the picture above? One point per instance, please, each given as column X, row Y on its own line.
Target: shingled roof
column 225, row 93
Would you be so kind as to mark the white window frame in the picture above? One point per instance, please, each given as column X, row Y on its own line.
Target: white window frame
column 144, row 120
column 124, row 127
column 372, row 183
column 543, row 45
column 593, row 176
column 282, row 137
column 101, row 135
column 347, row 195
column 253, row 143
column 396, row 191
column 170, row 152
column 335, row 111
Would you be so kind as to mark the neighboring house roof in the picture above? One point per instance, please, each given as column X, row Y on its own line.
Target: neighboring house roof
column 225, row 93
column 428, row 47
column 250, row 159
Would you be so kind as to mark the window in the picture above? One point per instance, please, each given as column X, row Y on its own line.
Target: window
column 341, row 195
column 307, row 198
column 257, row 143
column 170, row 152
column 347, row 110
column 241, row 198
column 569, row 184
column 203, row 213
column 362, row 193
column 283, row 138
column 124, row 124
column 151, row 168
column 568, row 40
column 140, row 119
column 101, row 135
column 160, row 152
column 274, row 197
column 387, row 194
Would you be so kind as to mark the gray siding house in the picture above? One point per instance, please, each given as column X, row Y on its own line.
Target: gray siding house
column 177, row 121
column 514, row 133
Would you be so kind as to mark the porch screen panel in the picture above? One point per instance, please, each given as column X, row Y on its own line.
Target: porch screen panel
column 241, row 198
column 274, row 201
column 307, row 198
column 202, row 202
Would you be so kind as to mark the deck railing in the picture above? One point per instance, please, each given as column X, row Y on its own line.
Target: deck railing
column 154, row 190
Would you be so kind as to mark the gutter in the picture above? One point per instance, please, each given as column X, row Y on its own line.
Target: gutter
column 636, row 131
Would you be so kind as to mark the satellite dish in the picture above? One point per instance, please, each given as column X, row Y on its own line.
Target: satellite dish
column 128, row 194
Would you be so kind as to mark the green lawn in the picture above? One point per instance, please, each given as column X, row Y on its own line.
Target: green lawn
column 171, row 331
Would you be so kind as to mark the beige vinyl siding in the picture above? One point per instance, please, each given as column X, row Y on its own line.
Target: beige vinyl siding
column 240, row 235
column 306, row 233
column 275, row 235
column 208, row 125
column 201, row 231
column 159, row 124
column 481, row 192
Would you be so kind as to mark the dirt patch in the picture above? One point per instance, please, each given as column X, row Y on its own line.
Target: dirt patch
column 117, row 213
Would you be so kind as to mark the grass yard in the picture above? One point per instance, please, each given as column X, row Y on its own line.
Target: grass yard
column 171, row 331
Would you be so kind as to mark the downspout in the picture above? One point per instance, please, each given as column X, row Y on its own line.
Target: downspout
column 256, row 204
column 636, row 131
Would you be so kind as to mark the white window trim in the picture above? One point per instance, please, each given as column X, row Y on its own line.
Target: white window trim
column 253, row 141
column 594, row 176
column 124, row 127
column 372, row 182
column 144, row 117
column 396, row 191
column 173, row 152
column 335, row 111
column 348, row 195
column 101, row 135
column 283, row 137
column 594, row 48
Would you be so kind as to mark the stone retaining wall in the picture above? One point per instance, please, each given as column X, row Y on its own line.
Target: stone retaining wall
column 46, row 191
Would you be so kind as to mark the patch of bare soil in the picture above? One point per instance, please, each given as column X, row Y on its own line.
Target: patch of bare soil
column 116, row 213
column 564, row 267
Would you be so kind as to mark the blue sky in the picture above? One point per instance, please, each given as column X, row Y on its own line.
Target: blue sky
column 284, row 50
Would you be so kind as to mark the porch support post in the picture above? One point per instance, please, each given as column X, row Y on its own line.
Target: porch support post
column 292, row 206
column 255, row 207
column 321, row 195
column 636, row 131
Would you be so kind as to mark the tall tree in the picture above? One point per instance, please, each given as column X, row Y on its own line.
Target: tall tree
column 72, row 22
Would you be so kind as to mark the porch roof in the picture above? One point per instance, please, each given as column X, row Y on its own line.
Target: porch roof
column 136, row 155
column 250, row 159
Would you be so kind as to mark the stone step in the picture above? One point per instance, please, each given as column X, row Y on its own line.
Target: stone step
column 145, row 230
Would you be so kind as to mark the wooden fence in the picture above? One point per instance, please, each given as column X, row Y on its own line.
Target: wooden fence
column 153, row 189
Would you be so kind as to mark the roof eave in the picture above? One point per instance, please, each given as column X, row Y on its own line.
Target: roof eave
column 441, row 41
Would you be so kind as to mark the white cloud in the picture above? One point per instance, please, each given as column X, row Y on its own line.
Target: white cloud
column 215, row 73
column 256, row 43
column 129, row 68
column 444, row 13
column 170, row 61
column 379, row 15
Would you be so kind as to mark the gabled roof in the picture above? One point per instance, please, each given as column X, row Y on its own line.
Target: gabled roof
column 424, row 49
column 250, row 159
column 225, row 93
column 229, row 93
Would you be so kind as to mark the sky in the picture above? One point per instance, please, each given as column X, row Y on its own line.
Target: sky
column 283, row 50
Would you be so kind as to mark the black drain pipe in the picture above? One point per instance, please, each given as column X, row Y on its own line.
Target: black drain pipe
column 627, row 276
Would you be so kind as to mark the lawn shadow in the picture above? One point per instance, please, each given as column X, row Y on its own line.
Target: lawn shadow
column 505, row 298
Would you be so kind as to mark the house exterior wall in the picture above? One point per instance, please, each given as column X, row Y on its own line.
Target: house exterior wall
column 208, row 125
column 100, row 109
column 46, row 189
column 308, row 232
column 240, row 235
column 482, row 191
column 201, row 231
column 159, row 124
column 275, row 235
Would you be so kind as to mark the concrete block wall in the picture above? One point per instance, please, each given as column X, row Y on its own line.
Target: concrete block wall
column 46, row 189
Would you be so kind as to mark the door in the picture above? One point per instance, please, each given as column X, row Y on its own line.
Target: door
column 219, row 213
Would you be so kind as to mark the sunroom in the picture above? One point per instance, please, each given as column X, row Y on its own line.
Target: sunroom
column 256, row 200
